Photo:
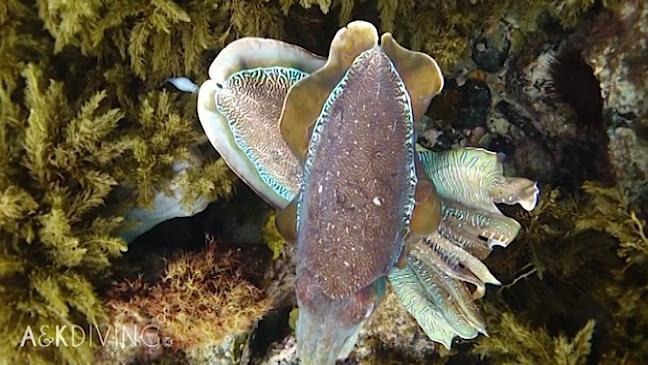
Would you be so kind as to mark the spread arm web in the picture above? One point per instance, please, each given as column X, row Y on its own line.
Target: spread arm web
column 239, row 108
column 433, row 286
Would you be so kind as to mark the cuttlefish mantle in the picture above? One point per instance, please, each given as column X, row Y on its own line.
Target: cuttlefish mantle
column 352, row 124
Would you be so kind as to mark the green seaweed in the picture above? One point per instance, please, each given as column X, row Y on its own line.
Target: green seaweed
column 56, row 158
column 625, row 294
column 512, row 342
column 212, row 181
column 65, row 147
column 272, row 238
column 611, row 213
column 160, row 131
column 157, row 138
column 565, row 259
column 159, row 38
column 162, row 37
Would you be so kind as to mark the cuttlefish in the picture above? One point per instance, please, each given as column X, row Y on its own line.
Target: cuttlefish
column 330, row 142
column 360, row 196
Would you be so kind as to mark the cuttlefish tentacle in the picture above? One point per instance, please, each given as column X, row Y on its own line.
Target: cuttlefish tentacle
column 515, row 190
column 459, row 256
column 458, row 236
column 245, row 74
column 414, row 297
column 433, row 254
column 463, row 319
column 493, row 228
column 469, row 182
column 465, row 175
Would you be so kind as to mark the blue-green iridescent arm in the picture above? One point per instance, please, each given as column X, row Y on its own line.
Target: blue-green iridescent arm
column 433, row 286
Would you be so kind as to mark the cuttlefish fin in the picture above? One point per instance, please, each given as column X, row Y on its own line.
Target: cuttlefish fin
column 427, row 209
column 305, row 99
column 249, row 53
column 420, row 74
column 286, row 222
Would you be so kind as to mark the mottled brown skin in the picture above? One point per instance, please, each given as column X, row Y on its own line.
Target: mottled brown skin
column 327, row 328
column 353, row 213
column 354, row 208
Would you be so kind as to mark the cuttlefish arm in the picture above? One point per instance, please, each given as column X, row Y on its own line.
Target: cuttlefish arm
column 435, row 287
column 239, row 108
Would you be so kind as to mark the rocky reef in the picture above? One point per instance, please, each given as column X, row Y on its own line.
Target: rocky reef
column 92, row 141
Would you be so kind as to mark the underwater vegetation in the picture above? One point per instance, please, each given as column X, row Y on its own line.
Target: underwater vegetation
column 56, row 173
column 67, row 146
column 201, row 299
column 88, row 132
column 514, row 343
column 573, row 225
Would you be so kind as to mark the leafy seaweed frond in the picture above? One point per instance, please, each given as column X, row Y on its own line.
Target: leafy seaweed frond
column 64, row 19
column 324, row 5
column 53, row 244
column 627, row 303
column 545, row 231
column 272, row 238
column 624, row 296
column 159, row 38
column 18, row 46
column 569, row 243
column 157, row 139
column 211, row 180
column 514, row 342
column 200, row 298
column 611, row 213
